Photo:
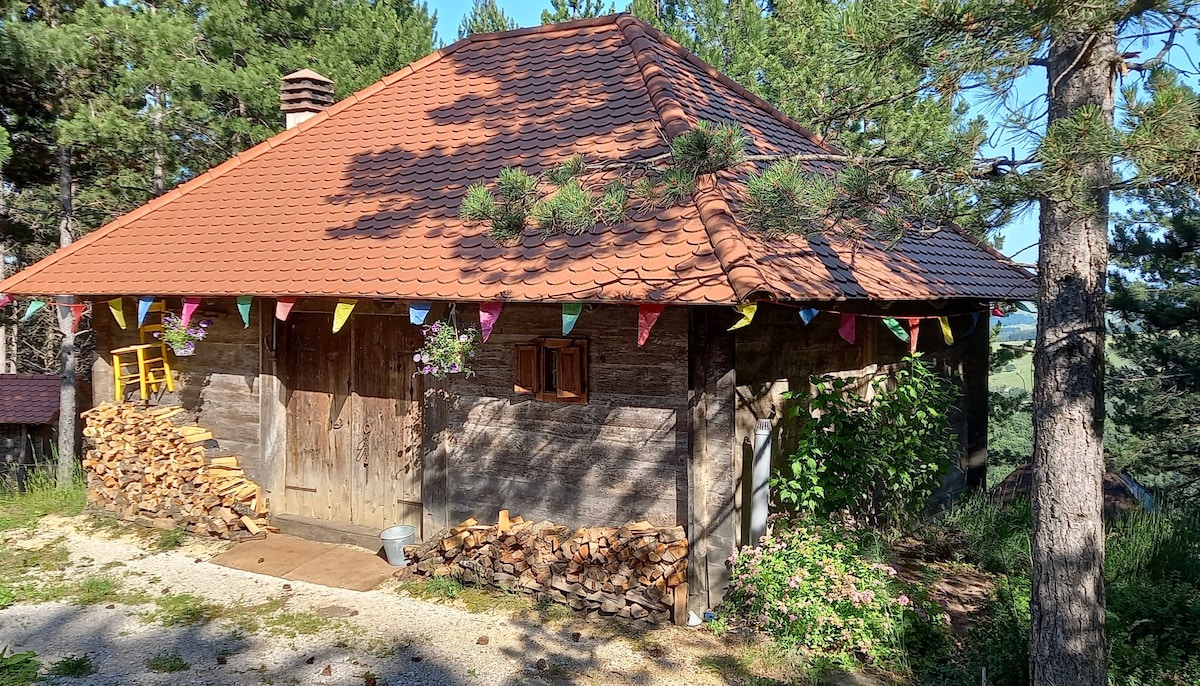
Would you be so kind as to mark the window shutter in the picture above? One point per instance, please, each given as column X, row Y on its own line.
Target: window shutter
column 572, row 372
column 525, row 369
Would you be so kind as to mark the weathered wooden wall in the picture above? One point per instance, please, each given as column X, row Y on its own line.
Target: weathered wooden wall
column 219, row 385
column 621, row 456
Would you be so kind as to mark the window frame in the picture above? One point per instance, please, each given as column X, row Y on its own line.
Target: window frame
column 533, row 377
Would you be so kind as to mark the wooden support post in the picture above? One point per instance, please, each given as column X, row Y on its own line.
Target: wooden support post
column 975, row 391
column 272, row 403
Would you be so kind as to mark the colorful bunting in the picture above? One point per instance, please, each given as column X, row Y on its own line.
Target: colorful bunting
column 974, row 323
column 894, row 327
column 341, row 313
column 31, row 309
column 283, row 307
column 244, row 309
column 747, row 311
column 75, row 311
column 488, row 314
column 647, row 317
column 1024, row 307
column 846, row 328
column 144, row 304
column 914, row 332
column 997, row 312
column 117, row 307
column 570, row 315
column 189, row 308
column 417, row 312
column 807, row 315
column 946, row 332
column 5, row 299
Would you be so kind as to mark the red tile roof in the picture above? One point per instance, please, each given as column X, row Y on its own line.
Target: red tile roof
column 362, row 199
column 28, row 398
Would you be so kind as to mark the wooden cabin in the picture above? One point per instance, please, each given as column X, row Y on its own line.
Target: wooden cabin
column 28, row 413
column 358, row 203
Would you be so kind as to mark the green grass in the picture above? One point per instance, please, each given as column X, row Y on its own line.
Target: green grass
column 41, row 498
column 74, row 666
column 18, row 669
column 170, row 540
column 183, row 609
column 293, row 624
column 167, row 662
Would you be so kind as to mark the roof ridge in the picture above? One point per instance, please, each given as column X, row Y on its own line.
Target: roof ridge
column 729, row 246
column 230, row 164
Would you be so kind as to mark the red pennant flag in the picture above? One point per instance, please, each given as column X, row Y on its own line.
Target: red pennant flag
column 914, row 330
column 847, row 328
column 647, row 317
column 997, row 312
column 76, row 315
column 5, row 299
column 488, row 314
column 283, row 307
column 189, row 308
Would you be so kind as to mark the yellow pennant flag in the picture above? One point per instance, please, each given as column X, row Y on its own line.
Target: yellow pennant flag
column 747, row 311
column 946, row 332
column 117, row 307
column 342, row 313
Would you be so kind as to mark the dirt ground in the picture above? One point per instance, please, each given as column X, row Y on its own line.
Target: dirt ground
column 104, row 591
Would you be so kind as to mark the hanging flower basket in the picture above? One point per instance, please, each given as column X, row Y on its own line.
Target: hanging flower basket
column 448, row 349
column 182, row 339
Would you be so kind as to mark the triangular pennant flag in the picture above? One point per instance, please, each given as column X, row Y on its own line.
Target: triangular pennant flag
column 144, row 304
column 341, row 313
column 894, row 326
column 946, row 332
column 488, row 314
column 31, row 309
column 807, row 315
column 997, row 312
column 647, row 317
column 1024, row 307
column 747, row 311
column 5, row 299
column 417, row 312
column 974, row 323
column 914, row 332
column 189, row 308
column 846, row 328
column 76, row 315
column 283, row 307
column 570, row 315
column 117, row 307
column 244, row 309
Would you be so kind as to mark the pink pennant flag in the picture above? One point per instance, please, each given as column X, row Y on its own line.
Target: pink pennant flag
column 647, row 317
column 76, row 315
column 846, row 328
column 189, row 308
column 997, row 312
column 914, row 329
column 488, row 314
column 5, row 299
column 283, row 307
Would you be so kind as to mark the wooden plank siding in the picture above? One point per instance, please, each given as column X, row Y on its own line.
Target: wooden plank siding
column 621, row 456
column 219, row 385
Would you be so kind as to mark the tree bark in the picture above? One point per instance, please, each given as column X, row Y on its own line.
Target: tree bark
column 1067, row 645
column 67, row 414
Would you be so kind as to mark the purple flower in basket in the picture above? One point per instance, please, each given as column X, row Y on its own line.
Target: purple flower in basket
column 205, row 323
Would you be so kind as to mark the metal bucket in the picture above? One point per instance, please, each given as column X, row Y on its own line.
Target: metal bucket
column 394, row 539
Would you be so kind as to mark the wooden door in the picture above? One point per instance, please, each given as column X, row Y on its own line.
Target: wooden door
column 353, row 421
column 387, row 423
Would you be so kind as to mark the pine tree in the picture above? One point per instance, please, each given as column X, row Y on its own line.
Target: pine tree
column 485, row 17
column 570, row 10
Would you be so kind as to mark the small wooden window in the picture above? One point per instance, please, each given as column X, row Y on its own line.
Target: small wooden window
column 553, row 369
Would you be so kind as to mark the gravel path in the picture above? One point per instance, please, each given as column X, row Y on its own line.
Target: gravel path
column 380, row 634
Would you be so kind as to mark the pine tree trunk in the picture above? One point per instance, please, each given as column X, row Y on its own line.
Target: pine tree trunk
column 158, row 181
column 1067, row 646
column 66, row 352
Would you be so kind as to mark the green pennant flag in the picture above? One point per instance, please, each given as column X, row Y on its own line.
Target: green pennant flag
column 244, row 309
column 1024, row 306
column 32, row 309
column 570, row 315
column 895, row 327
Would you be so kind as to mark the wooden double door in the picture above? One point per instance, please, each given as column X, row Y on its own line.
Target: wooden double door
column 353, row 420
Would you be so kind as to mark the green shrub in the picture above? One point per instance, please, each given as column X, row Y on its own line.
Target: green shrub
column 813, row 586
column 879, row 458
column 74, row 666
column 18, row 669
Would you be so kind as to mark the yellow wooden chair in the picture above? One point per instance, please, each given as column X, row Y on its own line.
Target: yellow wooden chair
column 145, row 362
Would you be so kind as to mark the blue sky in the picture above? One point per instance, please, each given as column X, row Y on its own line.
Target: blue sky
column 1019, row 236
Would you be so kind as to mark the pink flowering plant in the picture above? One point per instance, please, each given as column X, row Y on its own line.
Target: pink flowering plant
column 811, row 587
column 182, row 339
column 448, row 349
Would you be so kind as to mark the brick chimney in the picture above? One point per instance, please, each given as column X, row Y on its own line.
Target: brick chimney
column 304, row 93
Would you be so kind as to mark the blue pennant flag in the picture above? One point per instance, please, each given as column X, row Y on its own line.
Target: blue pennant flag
column 144, row 304
column 974, row 323
column 807, row 315
column 417, row 312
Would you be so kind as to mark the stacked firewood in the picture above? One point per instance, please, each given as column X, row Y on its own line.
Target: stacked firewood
column 144, row 468
column 636, row 572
